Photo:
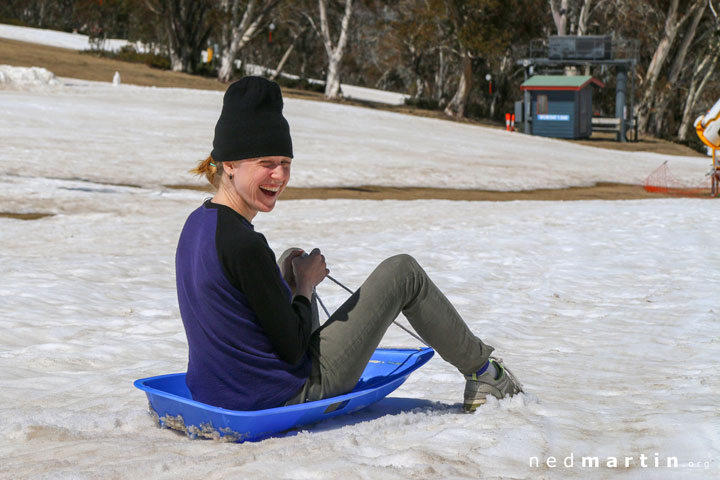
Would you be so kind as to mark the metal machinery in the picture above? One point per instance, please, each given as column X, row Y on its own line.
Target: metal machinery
column 559, row 52
column 708, row 129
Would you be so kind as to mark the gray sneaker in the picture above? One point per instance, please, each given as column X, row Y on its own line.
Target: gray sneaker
column 477, row 388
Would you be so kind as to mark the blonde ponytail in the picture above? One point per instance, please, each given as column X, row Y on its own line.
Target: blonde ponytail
column 211, row 169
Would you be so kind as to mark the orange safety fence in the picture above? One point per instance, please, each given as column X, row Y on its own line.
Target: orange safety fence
column 661, row 180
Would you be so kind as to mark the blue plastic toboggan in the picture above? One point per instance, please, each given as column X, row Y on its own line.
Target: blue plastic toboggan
column 170, row 400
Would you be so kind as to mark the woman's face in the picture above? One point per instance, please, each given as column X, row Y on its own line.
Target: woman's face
column 259, row 182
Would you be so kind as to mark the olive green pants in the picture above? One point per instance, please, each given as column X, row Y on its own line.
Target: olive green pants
column 342, row 347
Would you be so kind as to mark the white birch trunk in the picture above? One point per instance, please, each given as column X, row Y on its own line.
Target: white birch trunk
column 238, row 40
column 679, row 62
column 238, row 30
column 332, row 80
column 232, row 33
column 334, row 52
column 456, row 106
column 560, row 16
column 176, row 65
column 663, row 98
column 440, row 76
column 184, row 24
column 705, row 68
column 284, row 59
column 672, row 25
column 584, row 17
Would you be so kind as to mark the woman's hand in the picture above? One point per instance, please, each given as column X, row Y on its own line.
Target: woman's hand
column 286, row 267
column 309, row 270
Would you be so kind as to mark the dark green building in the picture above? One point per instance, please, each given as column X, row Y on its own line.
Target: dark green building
column 560, row 106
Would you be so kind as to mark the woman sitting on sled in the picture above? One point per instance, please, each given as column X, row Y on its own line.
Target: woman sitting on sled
column 249, row 321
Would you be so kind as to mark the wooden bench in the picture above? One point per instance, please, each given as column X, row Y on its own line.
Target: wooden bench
column 612, row 124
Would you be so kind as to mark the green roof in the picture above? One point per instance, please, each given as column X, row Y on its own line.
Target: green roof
column 559, row 81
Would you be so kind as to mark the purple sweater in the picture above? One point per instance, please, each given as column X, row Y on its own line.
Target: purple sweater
column 247, row 338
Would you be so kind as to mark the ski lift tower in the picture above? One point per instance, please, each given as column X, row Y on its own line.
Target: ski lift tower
column 557, row 53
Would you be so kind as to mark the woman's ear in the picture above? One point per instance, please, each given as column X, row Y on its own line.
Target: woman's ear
column 229, row 169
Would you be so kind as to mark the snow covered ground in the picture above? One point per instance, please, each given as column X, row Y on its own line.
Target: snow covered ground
column 149, row 136
column 606, row 310
column 53, row 38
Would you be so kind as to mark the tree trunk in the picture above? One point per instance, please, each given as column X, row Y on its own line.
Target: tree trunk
column 666, row 95
column 334, row 52
column 230, row 12
column 584, row 17
column 238, row 29
column 232, row 34
column 332, row 80
column 284, row 59
column 456, row 107
column 440, row 76
column 672, row 25
column 186, row 28
column 705, row 69
column 560, row 16
column 174, row 48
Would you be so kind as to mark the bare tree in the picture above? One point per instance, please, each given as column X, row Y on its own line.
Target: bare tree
column 703, row 69
column 422, row 48
column 674, row 21
column 701, row 76
column 456, row 106
column 187, row 28
column 288, row 52
column 334, row 50
column 679, row 66
column 240, row 21
column 480, row 32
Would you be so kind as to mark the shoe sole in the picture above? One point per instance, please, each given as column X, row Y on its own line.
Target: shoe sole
column 471, row 407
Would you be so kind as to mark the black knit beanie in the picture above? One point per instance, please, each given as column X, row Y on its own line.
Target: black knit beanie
column 251, row 124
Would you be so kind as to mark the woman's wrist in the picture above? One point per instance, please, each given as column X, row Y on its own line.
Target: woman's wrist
column 304, row 289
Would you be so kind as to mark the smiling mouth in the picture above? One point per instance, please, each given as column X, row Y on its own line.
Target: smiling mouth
column 270, row 190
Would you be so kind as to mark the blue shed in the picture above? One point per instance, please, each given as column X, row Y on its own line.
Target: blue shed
column 561, row 106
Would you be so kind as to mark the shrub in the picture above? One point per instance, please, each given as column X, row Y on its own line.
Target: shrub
column 128, row 53
column 424, row 103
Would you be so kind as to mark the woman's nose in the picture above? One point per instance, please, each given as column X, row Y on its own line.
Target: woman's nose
column 280, row 172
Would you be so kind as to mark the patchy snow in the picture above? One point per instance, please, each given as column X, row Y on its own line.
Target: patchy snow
column 373, row 95
column 27, row 78
column 54, row 38
column 150, row 136
column 606, row 310
column 348, row 91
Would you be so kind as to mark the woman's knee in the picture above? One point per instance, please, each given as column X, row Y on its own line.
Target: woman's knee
column 399, row 264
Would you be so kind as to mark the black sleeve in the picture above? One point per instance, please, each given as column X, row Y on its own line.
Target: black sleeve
column 249, row 264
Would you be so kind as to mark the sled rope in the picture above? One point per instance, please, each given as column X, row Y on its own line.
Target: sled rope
column 351, row 292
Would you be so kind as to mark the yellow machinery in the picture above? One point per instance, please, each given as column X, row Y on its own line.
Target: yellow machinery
column 708, row 129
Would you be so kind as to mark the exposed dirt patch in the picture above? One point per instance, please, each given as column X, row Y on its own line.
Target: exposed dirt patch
column 25, row 216
column 601, row 191
column 644, row 144
column 71, row 63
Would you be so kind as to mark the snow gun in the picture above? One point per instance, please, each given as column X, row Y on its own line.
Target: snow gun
column 707, row 128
